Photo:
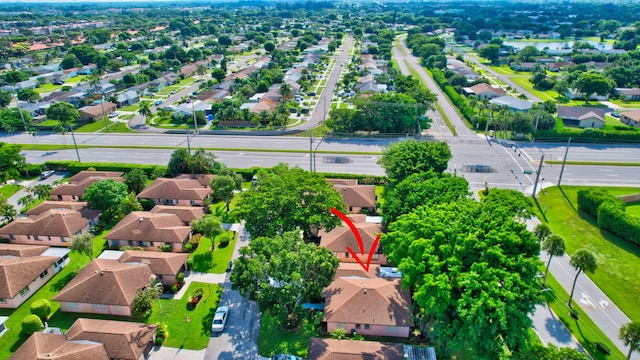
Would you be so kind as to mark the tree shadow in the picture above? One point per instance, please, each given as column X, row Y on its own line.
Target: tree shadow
column 540, row 210
column 61, row 282
column 203, row 261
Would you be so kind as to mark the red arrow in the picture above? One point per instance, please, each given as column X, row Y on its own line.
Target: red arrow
column 355, row 232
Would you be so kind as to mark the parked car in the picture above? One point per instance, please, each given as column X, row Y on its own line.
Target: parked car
column 158, row 102
column 285, row 357
column 114, row 114
column 230, row 266
column 615, row 114
column 220, row 319
column 46, row 174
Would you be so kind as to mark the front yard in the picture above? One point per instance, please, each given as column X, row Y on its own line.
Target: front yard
column 275, row 340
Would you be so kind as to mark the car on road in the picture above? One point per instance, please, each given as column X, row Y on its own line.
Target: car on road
column 158, row 102
column 285, row 357
column 615, row 114
column 220, row 319
column 46, row 174
column 114, row 114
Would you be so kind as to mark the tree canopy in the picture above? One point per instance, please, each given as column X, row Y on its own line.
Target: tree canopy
column 403, row 158
column 106, row 195
column 288, row 199
column 281, row 273
column 200, row 162
column 10, row 161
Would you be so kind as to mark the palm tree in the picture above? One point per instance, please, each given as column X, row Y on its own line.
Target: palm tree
column 286, row 91
column 473, row 102
column 145, row 110
column 554, row 246
column 630, row 336
column 582, row 260
column 41, row 191
column 542, row 231
column 25, row 200
column 156, row 290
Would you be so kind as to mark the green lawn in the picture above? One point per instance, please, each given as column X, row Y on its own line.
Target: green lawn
column 8, row 190
column 618, row 264
column 195, row 333
column 130, row 108
column 547, row 95
column 275, row 340
column 634, row 209
column 94, row 126
column 502, row 69
column 76, row 79
column 48, row 87
column 120, row 127
column 213, row 262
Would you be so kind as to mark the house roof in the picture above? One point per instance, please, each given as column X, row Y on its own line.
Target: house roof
column 334, row 349
column 375, row 301
column 580, row 112
column 121, row 339
column 629, row 91
column 97, row 110
column 185, row 213
column 20, row 250
column 160, row 263
column 482, row 87
column 358, row 195
column 59, row 221
column 106, row 282
column 182, row 188
column 77, row 188
column 148, row 226
column 19, row 267
column 356, row 270
column 340, row 237
column 43, row 346
column 512, row 102
column 633, row 115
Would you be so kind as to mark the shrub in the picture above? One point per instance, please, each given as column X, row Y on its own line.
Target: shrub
column 162, row 333
column 196, row 296
column 174, row 288
column 195, row 240
column 125, row 248
column 187, row 247
column 590, row 200
column 189, row 264
column 41, row 308
column 224, row 240
column 180, row 278
column 139, row 248
column 166, row 247
column 31, row 323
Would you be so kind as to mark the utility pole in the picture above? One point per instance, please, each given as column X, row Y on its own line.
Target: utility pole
column 74, row 143
column 538, row 117
column 195, row 123
column 566, row 152
column 535, row 186
column 106, row 125
column 310, row 152
column 24, row 123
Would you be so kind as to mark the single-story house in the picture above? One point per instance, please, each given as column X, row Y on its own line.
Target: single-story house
column 347, row 349
column 187, row 109
column 164, row 265
column 106, row 88
column 186, row 213
column 522, row 66
column 341, row 237
column 358, row 198
column 631, row 118
column 91, row 339
column 581, row 116
column 97, row 112
column 484, row 91
column 105, row 287
column 128, row 97
column 149, row 231
column 512, row 103
column 78, row 183
column 26, row 268
column 27, row 84
column 369, row 306
column 184, row 190
column 630, row 94
column 574, row 94
column 51, row 223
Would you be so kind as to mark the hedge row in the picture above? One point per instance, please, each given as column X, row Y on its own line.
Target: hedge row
column 610, row 214
column 588, row 135
column 458, row 100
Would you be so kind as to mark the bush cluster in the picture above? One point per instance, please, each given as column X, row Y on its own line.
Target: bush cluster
column 610, row 214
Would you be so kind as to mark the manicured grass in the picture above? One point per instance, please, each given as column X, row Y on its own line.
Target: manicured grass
column 618, row 260
column 12, row 339
column 8, row 190
column 275, row 340
column 48, row 87
column 204, row 260
column 192, row 335
column 120, row 128
column 75, row 79
column 94, row 126
column 524, row 82
column 502, row 69
column 131, row 108
column 584, row 329
column 633, row 209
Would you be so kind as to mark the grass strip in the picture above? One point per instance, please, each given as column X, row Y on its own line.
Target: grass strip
column 8, row 190
column 598, row 163
column 583, row 328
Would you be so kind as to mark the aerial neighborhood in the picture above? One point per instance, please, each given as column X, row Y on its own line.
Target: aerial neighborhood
column 319, row 180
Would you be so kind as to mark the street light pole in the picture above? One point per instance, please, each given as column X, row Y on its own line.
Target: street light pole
column 24, row 123
column 535, row 186
column 566, row 152
column 195, row 123
column 106, row 125
column 74, row 143
column 310, row 152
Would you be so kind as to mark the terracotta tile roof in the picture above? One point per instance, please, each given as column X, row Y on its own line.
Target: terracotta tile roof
column 18, row 272
column 340, row 237
column 482, row 87
column 182, row 188
column 633, row 115
column 356, row 270
column 376, row 301
column 202, row 179
column 52, row 205
column 121, row 339
column 100, row 174
column 363, row 196
column 20, row 250
column 185, row 213
column 59, row 222
column 76, row 187
column 147, row 226
column 160, row 263
column 97, row 110
column 106, row 282
column 42, row 346
column 334, row 349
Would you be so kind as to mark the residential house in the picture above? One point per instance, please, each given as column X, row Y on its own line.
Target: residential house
column 78, row 183
column 87, row 69
column 295, row 87
column 121, row 339
column 78, row 98
column 629, row 94
column 27, row 84
column 574, row 94
column 150, row 231
column 187, row 109
column 184, row 190
column 26, row 268
column 128, row 97
column 347, row 349
column 186, row 213
column 51, row 223
column 164, row 265
column 369, row 306
column 522, row 66
column 105, row 287
column 41, row 345
column 107, row 89
column 631, row 118
column 560, row 65
column 358, row 198
column 338, row 239
column 484, row 91
column 97, row 112
column 581, row 116
column 189, row 70
column 512, row 103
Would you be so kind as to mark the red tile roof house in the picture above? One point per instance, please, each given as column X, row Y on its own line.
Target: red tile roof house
column 165, row 266
column 51, row 223
column 368, row 306
column 25, row 268
column 334, row 349
column 184, row 190
column 358, row 198
column 484, row 91
column 186, row 213
column 97, row 112
column 91, row 339
column 79, row 182
column 340, row 237
column 631, row 118
column 105, row 287
column 150, row 231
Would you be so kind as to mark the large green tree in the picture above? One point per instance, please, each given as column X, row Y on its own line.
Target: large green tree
column 10, row 161
column 281, row 273
column 83, row 244
column 582, row 260
column 592, row 82
column 403, row 158
column 472, row 268
column 490, row 52
column 288, row 199
column 136, row 180
column 106, row 195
